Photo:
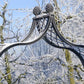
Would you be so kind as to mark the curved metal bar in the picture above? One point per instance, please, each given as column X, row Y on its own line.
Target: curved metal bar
column 60, row 36
column 43, row 34
column 74, row 51
column 8, row 46
column 66, row 44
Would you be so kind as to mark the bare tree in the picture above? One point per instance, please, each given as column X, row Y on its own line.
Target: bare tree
column 40, row 63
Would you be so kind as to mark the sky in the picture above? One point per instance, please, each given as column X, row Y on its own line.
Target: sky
column 21, row 3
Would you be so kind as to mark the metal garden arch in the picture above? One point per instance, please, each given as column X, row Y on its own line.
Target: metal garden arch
column 46, row 27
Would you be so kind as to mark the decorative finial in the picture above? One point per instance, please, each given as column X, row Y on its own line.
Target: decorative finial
column 36, row 10
column 49, row 8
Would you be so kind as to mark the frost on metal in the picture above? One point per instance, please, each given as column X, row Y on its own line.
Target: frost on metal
column 40, row 63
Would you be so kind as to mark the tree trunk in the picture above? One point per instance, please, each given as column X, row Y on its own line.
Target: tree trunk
column 67, row 53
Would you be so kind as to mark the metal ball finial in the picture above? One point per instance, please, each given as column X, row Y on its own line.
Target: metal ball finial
column 49, row 8
column 36, row 10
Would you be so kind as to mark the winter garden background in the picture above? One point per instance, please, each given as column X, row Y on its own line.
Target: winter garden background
column 40, row 63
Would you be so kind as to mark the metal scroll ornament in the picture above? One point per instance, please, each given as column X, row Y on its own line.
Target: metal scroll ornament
column 47, row 29
column 54, row 37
